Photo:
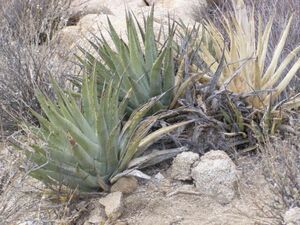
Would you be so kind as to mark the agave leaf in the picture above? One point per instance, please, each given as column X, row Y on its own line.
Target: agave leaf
column 168, row 73
column 131, row 125
column 155, row 157
column 130, row 173
column 156, row 76
column 153, row 137
column 140, row 27
column 277, row 52
column 293, row 103
column 274, row 79
column 70, row 110
column 286, row 80
column 64, row 169
column 139, row 144
column 263, row 42
column 150, row 45
column 238, row 115
column 139, row 94
column 103, row 52
column 114, row 36
column 136, row 55
column 182, row 88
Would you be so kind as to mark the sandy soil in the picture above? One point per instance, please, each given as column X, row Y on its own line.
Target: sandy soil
column 160, row 201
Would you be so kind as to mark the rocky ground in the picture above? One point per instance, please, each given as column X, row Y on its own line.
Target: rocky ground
column 188, row 190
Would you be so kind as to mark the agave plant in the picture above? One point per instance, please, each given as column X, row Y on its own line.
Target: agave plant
column 245, row 69
column 145, row 66
column 83, row 143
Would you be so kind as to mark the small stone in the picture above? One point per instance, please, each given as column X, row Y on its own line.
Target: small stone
column 125, row 185
column 87, row 223
column 120, row 223
column 159, row 177
column 113, row 204
column 97, row 216
column 216, row 176
column 182, row 164
column 27, row 223
column 292, row 216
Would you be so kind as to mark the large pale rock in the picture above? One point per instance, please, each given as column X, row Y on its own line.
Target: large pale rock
column 92, row 25
column 91, row 20
column 124, row 3
column 120, row 223
column 68, row 36
column 84, row 7
column 292, row 216
column 182, row 165
column 125, row 185
column 113, row 204
column 182, row 8
column 216, row 176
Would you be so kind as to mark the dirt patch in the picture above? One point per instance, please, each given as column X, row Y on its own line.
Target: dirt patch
column 169, row 203
column 158, row 201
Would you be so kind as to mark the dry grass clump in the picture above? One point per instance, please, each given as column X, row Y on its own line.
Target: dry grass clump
column 24, row 200
column 13, row 202
column 277, row 184
column 26, row 28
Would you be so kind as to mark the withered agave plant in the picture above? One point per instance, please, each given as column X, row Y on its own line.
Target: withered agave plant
column 83, row 143
column 146, row 67
column 245, row 69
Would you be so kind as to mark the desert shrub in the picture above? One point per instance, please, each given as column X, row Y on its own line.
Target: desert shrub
column 279, row 10
column 276, row 190
column 237, row 43
column 26, row 28
column 247, row 69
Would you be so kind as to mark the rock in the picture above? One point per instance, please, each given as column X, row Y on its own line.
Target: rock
column 27, row 223
column 216, row 176
column 120, row 223
column 85, row 7
column 89, row 19
column 130, row 4
column 215, row 2
column 182, row 165
column 159, row 177
column 292, row 216
column 68, row 36
column 125, row 185
column 184, row 9
column 113, row 204
column 97, row 216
